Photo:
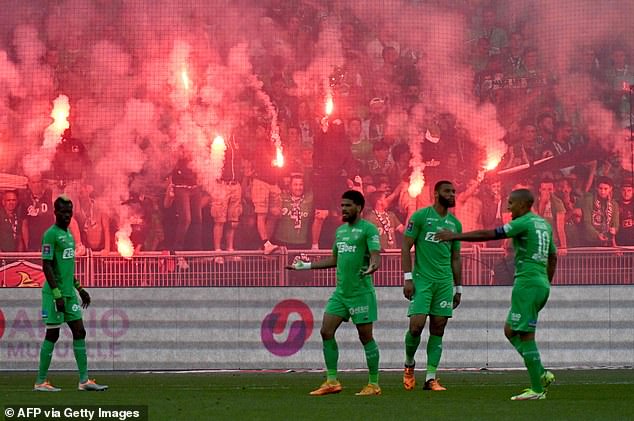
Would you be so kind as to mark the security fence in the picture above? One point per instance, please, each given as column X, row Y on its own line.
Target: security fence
column 480, row 266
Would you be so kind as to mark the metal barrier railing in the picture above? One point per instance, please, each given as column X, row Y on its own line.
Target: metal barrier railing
column 480, row 266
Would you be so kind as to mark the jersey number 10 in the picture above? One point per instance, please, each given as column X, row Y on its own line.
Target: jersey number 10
column 544, row 242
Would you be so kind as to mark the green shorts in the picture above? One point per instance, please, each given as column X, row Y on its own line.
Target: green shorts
column 50, row 315
column 362, row 308
column 432, row 298
column 526, row 302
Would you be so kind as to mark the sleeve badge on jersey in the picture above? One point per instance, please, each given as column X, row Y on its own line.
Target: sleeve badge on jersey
column 410, row 226
column 46, row 249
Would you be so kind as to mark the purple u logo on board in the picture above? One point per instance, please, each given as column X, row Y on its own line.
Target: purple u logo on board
column 275, row 323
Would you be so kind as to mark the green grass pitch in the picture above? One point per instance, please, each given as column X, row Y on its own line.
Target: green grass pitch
column 472, row 395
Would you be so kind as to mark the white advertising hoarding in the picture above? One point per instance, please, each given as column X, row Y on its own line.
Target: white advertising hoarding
column 278, row 328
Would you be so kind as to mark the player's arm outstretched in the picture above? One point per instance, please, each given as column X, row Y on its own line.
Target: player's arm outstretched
column 473, row 236
column 327, row 263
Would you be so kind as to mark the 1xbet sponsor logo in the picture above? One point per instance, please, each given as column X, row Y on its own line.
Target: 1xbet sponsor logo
column 276, row 321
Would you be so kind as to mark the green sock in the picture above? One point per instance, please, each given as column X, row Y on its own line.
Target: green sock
column 79, row 349
column 434, row 352
column 331, row 356
column 517, row 343
column 534, row 364
column 46, row 355
column 372, row 358
column 411, row 345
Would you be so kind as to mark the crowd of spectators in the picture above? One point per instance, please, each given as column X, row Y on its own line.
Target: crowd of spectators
column 365, row 145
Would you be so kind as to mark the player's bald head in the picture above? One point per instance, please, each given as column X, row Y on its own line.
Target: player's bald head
column 62, row 201
column 524, row 196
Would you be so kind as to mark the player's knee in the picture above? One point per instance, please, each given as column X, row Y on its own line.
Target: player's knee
column 275, row 212
column 79, row 333
column 437, row 330
column 326, row 333
column 52, row 335
column 365, row 337
column 416, row 330
column 416, row 326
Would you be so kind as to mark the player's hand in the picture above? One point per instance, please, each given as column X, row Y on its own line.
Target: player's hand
column 408, row 289
column 59, row 305
column 298, row 265
column 370, row 270
column 85, row 298
column 456, row 299
column 562, row 252
column 445, row 235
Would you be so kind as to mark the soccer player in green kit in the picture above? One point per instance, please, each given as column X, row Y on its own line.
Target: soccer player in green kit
column 356, row 255
column 59, row 300
column 430, row 286
column 535, row 263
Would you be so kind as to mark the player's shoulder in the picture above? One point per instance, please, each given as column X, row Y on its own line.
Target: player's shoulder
column 422, row 213
column 531, row 217
column 365, row 224
column 342, row 227
column 51, row 231
column 528, row 221
column 539, row 222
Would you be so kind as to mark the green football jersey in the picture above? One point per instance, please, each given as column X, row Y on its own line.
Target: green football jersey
column 433, row 257
column 533, row 242
column 58, row 245
column 352, row 247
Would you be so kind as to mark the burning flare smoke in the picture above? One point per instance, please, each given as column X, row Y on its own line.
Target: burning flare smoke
column 41, row 160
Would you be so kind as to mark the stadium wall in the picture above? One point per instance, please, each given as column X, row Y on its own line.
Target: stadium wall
column 278, row 328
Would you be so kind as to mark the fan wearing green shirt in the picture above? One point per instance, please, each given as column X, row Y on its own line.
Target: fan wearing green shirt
column 356, row 255
column 535, row 263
